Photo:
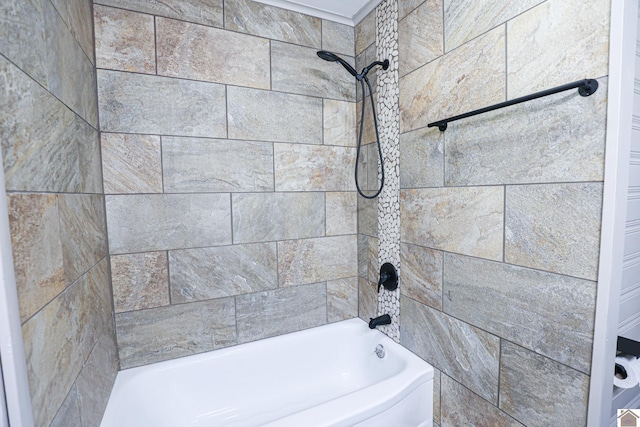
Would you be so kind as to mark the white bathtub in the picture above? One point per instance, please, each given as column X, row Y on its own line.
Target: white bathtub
column 325, row 376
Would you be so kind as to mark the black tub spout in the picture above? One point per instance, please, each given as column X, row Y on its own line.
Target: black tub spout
column 385, row 319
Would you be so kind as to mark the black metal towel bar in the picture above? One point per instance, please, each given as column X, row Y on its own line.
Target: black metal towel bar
column 585, row 87
column 628, row 346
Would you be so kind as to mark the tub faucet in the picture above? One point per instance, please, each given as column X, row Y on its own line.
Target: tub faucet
column 385, row 319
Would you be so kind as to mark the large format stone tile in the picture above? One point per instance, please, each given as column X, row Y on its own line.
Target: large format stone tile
column 280, row 311
column 215, row 165
column 463, row 220
column 297, row 69
column 70, row 73
column 273, row 116
column 462, row 407
column 37, row 252
column 467, row 19
column 125, row 40
column 342, row 216
column 83, row 233
column 277, row 216
column 274, row 23
column 539, row 392
column 140, row 281
column 368, row 216
column 137, row 103
column 554, row 227
column 207, row 273
column 206, row 12
column 153, row 335
column 69, row 413
column 582, row 52
column 97, row 377
column 420, row 37
column 37, row 129
column 302, row 167
column 77, row 15
column 537, row 142
column 342, row 299
column 547, row 313
column 407, row 6
column 367, row 299
column 317, row 260
column 422, row 159
column 421, row 277
column 131, row 163
column 465, row 353
column 365, row 32
column 140, row 223
column 192, row 51
column 23, row 37
column 449, row 85
column 60, row 337
column 437, row 395
column 339, row 119
column 338, row 38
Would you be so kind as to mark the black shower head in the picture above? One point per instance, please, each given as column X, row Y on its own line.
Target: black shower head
column 332, row 57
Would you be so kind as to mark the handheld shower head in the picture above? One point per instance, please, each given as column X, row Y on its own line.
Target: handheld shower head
column 332, row 57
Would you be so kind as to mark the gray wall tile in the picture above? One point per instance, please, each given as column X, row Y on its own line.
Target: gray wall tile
column 462, row 407
column 69, row 413
column 197, row 52
column 422, row 159
column 131, row 163
column 544, row 222
column 34, row 223
column 543, row 131
column 153, row 335
column 421, row 277
column 365, row 32
column 60, row 337
column 302, row 167
column 274, row 23
column 125, row 40
column 338, row 38
column 277, row 216
column 139, row 223
column 316, row 260
column 420, row 36
column 368, row 216
column 268, row 116
column 463, row 352
column 437, row 395
column 214, row 165
column 367, row 299
column 280, row 311
column 341, row 212
column 466, row 220
column 448, row 85
column 540, row 392
column 140, row 281
column 339, row 119
column 206, row 273
column 524, row 306
column 297, row 69
column 97, row 378
column 342, row 299
column 206, row 12
column 77, row 15
column 83, row 232
column 137, row 103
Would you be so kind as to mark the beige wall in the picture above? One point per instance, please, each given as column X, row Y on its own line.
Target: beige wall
column 500, row 214
column 51, row 152
column 228, row 150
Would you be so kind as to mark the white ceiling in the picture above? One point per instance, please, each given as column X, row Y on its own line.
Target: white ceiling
column 348, row 12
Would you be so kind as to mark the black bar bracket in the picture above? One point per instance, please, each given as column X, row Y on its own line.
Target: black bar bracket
column 627, row 346
column 585, row 87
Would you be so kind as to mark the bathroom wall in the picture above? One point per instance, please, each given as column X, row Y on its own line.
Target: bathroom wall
column 500, row 214
column 227, row 150
column 51, row 160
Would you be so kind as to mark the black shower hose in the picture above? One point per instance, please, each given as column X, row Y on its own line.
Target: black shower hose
column 375, row 125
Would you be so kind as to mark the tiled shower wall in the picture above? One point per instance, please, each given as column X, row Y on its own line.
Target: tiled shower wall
column 228, row 150
column 500, row 214
column 51, row 160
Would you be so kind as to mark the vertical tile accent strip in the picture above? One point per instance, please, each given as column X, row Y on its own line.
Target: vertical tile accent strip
column 389, row 126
